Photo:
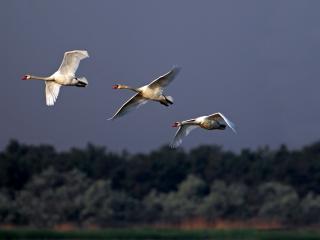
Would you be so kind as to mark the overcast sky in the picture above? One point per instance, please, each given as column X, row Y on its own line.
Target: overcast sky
column 258, row 62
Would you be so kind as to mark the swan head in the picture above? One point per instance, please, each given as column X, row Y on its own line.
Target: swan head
column 26, row 77
column 119, row 86
column 176, row 124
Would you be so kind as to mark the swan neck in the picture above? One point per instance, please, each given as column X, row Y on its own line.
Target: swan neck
column 130, row 88
column 189, row 123
column 39, row 78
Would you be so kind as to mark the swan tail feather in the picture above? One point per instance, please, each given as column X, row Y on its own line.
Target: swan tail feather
column 82, row 82
column 169, row 99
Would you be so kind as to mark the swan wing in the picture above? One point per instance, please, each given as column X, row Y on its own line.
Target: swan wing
column 71, row 60
column 165, row 79
column 133, row 103
column 52, row 92
column 219, row 116
column 182, row 132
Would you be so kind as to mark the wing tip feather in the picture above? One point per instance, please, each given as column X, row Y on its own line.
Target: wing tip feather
column 176, row 69
column 83, row 52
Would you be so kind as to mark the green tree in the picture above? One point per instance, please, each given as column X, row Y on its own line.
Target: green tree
column 104, row 206
column 310, row 207
column 184, row 202
column 52, row 197
column 278, row 201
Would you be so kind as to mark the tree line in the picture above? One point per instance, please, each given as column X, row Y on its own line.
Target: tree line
column 42, row 187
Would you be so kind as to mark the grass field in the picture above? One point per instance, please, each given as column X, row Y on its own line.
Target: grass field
column 162, row 234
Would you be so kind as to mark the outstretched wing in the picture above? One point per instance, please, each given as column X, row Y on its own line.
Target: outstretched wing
column 182, row 132
column 133, row 103
column 219, row 116
column 52, row 92
column 71, row 60
column 165, row 79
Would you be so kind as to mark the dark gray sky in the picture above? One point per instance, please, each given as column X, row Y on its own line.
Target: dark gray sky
column 258, row 62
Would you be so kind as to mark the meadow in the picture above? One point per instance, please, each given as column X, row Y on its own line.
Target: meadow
column 148, row 233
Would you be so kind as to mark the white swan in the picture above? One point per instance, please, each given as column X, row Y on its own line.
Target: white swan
column 211, row 122
column 152, row 91
column 64, row 76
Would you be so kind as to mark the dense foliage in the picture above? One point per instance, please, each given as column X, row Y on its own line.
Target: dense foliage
column 42, row 187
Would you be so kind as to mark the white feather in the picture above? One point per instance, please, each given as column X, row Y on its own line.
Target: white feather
column 52, row 92
column 71, row 60
column 182, row 132
column 165, row 79
column 229, row 123
column 134, row 102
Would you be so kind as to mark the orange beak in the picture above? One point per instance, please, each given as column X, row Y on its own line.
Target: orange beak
column 175, row 124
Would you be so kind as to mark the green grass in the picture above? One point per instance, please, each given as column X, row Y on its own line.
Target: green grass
column 151, row 234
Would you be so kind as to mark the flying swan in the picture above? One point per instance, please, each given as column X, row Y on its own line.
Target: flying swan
column 64, row 76
column 150, row 92
column 212, row 122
